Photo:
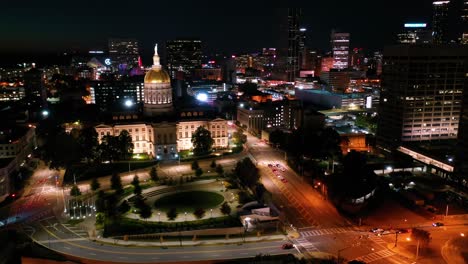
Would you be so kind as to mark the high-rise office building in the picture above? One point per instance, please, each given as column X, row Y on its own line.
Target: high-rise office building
column 422, row 88
column 461, row 166
column 464, row 21
column 415, row 33
column 119, row 94
column 34, row 88
column 294, row 43
column 440, row 21
column 340, row 48
column 183, row 55
column 123, row 53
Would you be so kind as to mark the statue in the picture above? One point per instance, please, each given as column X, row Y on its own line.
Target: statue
column 156, row 49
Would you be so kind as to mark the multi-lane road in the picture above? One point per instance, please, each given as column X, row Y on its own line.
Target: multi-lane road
column 320, row 226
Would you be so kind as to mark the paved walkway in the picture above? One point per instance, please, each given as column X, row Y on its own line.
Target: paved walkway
column 195, row 242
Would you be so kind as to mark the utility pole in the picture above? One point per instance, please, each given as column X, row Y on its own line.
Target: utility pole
column 396, row 238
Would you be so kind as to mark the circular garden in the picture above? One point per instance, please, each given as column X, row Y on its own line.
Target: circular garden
column 189, row 201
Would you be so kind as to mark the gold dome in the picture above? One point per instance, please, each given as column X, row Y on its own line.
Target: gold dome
column 157, row 76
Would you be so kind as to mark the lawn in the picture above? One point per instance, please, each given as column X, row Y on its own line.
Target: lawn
column 189, row 201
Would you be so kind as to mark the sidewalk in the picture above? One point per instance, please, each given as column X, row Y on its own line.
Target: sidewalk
column 195, row 242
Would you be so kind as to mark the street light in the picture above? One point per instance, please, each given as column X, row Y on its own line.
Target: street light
column 185, row 216
column 159, row 216
column 211, row 212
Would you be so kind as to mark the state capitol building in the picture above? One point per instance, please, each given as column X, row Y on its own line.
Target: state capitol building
column 163, row 132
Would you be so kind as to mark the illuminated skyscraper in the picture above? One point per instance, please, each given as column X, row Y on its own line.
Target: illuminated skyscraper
column 294, row 43
column 183, row 55
column 340, row 48
column 464, row 20
column 422, row 89
column 123, row 53
column 440, row 21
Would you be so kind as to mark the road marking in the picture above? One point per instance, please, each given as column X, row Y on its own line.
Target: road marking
column 66, row 248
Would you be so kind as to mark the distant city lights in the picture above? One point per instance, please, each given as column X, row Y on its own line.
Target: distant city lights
column 202, row 97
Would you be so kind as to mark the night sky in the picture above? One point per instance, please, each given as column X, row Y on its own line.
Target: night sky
column 232, row 27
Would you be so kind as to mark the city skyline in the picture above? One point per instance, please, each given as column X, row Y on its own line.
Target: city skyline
column 53, row 27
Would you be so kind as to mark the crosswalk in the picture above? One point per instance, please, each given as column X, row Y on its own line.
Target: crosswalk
column 376, row 256
column 76, row 230
column 326, row 231
column 377, row 239
column 306, row 244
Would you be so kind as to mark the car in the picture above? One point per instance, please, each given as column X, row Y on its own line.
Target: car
column 287, row 246
column 376, row 230
column 402, row 230
column 385, row 232
column 437, row 224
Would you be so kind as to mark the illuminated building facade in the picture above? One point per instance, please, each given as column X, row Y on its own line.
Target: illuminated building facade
column 294, row 43
column 117, row 94
column 11, row 91
column 421, row 96
column 183, row 55
column 123, row 53
column 34, row 88
column 16, row 143
column 440, row 21
column 158, row 90
column 340, row 48
column 415, row 33
column 464, row 19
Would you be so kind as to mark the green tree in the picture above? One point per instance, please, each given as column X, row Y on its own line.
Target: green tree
column 423, row 236
column 199, row 213
column 116, row 183
column 100, row 218
column 220, row 170
column 238, row 137
column 198, row 172
column 202, row 141
column 125, row 145
column 145, row 211
column 95, row 185
column 213, row 164
column 75, row 191
column 172, row 213
column 154, row 174
column 136, row 180
column 124, row 207
column 225, row 209
column 88, row 142
column 195, row 165
column 247, row 172
column 108, row 150
column 137, row 190
column 116, row 147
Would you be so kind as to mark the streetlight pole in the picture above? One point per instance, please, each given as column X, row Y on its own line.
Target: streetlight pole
column 417, row 250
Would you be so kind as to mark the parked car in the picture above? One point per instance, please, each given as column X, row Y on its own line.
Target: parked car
column 437, row 224
column 287, row 246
